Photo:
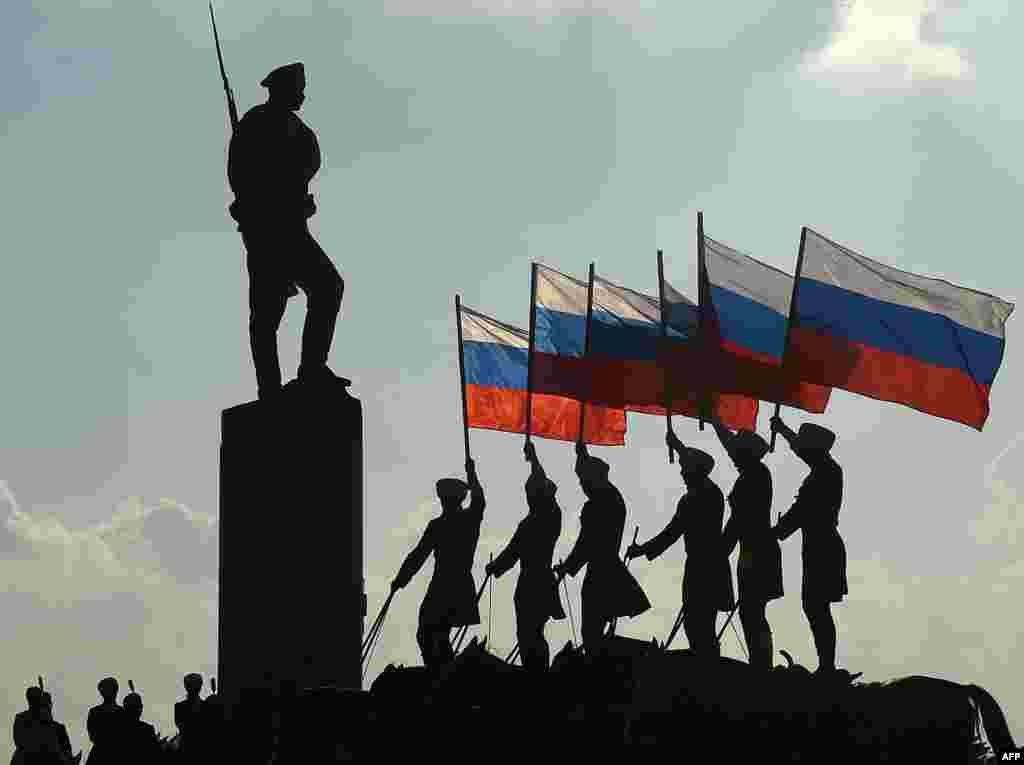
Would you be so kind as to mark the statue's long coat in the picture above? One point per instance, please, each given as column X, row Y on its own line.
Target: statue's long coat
column 452, row 538
column 759, row 568
column 608, row 589
column 698, row 520
column 532, row 546
column 816, row 512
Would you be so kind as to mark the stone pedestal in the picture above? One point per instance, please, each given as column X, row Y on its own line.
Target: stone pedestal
column 292, row 600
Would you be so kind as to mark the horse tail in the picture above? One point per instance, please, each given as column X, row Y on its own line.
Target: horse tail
column 789, row 659
column 993, row 719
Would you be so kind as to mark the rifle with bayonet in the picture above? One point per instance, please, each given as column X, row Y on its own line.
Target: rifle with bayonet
column 232, row 110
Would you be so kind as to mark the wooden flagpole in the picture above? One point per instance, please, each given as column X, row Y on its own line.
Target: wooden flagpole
column 701, row 297
column 667, row 376
column 529, row 353
column 789, row 324
column 586, row 341
column 462, row 375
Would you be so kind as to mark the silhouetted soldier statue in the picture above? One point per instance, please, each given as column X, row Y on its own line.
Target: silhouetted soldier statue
column 532, row 546
column 28, row 731
column 272, row 157
column 451, row 596
column 609, row 590
column 106, row 726
column 38, row 738
column 141, row 744
column 707, row 580
column 759, row 568
column 190, row 717
column 816, row 513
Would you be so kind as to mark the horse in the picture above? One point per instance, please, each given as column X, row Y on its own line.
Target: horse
column 790, row 712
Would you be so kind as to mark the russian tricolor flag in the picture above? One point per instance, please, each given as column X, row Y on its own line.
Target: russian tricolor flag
column 559, row 334
column 628, row 358
column 895, row 336
column 746, row 316
column 495, row 358
column 558, row 364
column 749, row 302
column 625, row 348
column 690, row 368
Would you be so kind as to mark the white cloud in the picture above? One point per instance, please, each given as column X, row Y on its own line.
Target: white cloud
column 882, row 44
column 133, row 597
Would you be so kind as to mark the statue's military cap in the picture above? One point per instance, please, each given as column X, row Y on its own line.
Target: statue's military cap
column 34, row 695
column 452, row 488
column 592, row 466
column 536, row 486
column 107, row 683
column 288, row 74
column 811, row 436
column 751, row 444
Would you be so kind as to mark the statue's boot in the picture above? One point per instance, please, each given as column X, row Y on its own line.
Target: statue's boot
column 320, row 374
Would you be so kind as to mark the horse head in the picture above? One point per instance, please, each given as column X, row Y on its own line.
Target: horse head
column 401, row 685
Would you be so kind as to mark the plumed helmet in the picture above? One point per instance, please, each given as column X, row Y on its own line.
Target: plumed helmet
column 751, row 444
column 289, row 74
column 452, row 489
column 815, row 437
column 34, row 695
column 700, row 461
column 132, row 701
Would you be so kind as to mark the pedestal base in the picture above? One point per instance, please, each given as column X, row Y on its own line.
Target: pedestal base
column 292, row 602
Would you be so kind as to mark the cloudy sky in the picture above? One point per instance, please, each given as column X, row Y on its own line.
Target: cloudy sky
column 461, row 140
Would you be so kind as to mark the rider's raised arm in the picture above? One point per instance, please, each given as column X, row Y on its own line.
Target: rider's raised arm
column 416, row 558
column 477, row 501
